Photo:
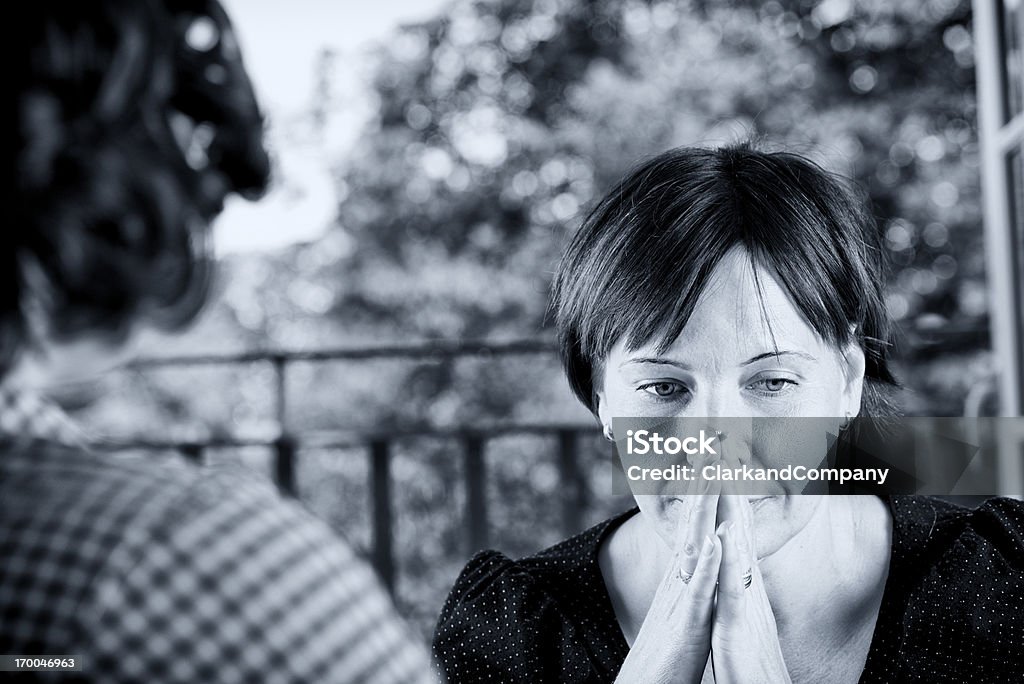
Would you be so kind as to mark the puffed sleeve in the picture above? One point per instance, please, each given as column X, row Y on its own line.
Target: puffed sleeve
column 1000, row 521
column 968, row 607
column 499, row 624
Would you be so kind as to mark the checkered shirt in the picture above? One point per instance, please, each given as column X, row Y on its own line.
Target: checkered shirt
column 161, row 572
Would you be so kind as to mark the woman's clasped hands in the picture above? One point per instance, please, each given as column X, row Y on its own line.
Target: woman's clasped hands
column 710, row 619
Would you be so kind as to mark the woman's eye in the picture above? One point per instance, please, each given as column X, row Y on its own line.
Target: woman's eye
column 663, row 389
column 772, row 385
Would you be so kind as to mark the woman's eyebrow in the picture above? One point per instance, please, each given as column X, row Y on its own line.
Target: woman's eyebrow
column 776, row 354
column 666, row 361
column 659, row 360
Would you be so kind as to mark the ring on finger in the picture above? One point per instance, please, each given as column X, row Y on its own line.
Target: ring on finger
column 748, row 578
column 684, row 575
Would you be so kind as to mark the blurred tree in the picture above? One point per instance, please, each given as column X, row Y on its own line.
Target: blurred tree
column 499, row 120
column 446, row 187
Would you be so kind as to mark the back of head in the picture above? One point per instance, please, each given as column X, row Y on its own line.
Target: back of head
column 132, row 120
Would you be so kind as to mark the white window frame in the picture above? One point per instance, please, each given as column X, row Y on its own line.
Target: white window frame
column 998, row 138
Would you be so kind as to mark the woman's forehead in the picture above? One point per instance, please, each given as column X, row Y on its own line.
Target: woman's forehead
column 742, row 312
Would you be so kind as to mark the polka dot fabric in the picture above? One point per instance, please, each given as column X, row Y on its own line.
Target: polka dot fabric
column 952, row 611
column 547, row 618
column 953, row 608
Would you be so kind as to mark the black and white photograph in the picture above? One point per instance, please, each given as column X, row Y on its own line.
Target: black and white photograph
column 527, row 341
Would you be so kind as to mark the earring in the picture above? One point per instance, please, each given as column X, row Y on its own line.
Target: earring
column 846, row 423
column 608, row 434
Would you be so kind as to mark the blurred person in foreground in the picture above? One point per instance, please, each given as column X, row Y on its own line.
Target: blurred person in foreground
column 132, row 121
column 741, row 283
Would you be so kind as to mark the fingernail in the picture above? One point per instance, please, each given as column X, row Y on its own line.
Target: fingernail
column 709, row 545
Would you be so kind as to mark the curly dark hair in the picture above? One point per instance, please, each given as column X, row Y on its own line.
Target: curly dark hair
column 133, row 120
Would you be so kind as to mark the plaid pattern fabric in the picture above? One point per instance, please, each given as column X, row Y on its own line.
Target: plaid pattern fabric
column 27, row 416
column 165, row 572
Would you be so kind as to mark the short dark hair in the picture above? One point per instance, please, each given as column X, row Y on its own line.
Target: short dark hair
column 108, row 215
column 642, row 257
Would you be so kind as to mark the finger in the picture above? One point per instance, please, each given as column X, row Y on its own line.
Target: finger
column 697, row 523
column 729, row 508
column 701, row 599
column 745, row 545
column 747, row 541
column 731, row 581
column 681, row 614
column 758, row 608
column 758, row 590
column 692, row 486
column 688, row 596
column 736, row 508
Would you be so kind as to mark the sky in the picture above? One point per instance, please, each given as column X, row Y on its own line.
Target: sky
column 281, row 45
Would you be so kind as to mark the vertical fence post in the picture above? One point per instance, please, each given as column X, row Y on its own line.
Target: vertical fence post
column 280, row 407
column 193, row 452
column 380, row 486
column 476, row 492
column 284, row 465
column 574, row 491
column 284, row 445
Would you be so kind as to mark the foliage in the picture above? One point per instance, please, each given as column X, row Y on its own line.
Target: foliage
column 500, row 122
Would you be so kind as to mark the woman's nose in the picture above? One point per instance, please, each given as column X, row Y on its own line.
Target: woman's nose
column 725, row 415
column 717, row 403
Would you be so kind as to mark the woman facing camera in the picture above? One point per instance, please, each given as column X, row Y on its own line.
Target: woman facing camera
column 740, row 283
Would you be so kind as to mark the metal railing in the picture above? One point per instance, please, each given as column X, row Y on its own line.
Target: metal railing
column 286, row 445
column 379, row 445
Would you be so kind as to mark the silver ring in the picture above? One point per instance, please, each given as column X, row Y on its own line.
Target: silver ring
column 685, row 576
column 748, row 578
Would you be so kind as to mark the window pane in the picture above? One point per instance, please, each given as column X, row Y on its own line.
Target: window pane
column 1015, row 179
column 1013, row 57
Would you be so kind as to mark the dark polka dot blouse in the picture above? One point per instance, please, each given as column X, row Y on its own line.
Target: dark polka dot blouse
column 952, row 610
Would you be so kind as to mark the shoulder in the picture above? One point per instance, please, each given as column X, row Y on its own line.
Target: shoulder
column 496, row 623
column 99, row 511
column 928, row 530
column 545, row 573
column 206, row 574
column 535, row 618
column 493, row 589
column 546, row 578
column 962, row 575
column 262, row 588
column 63, row 514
